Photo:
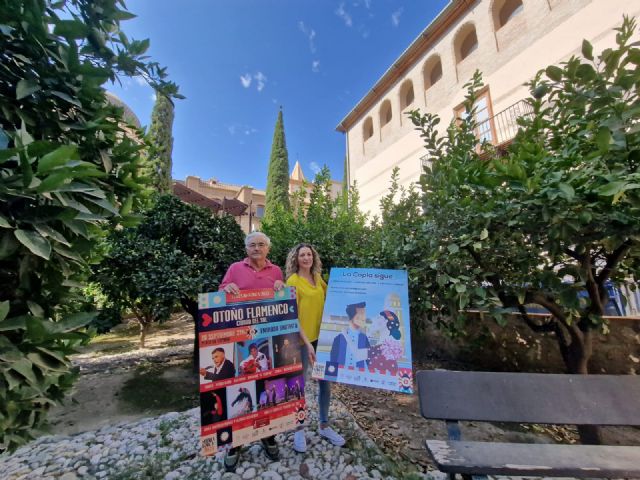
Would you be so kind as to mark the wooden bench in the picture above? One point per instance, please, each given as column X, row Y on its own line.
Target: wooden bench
column 531, row 398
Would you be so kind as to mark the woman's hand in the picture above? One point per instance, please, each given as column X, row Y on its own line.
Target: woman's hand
column 311, row 352
column 231, row 288
column 278, row 285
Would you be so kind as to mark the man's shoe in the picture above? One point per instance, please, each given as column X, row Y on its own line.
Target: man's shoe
column 331, row 435
column 300, row 441
column 231, row 459
column 270, row 448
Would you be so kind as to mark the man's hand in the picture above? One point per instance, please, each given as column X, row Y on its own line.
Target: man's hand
column 203, row 372
column 231, row 288
column 278, row 285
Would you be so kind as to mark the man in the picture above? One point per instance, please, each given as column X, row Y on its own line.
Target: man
column 221, row 368
column 273, row 399
column 255, row 271
column 297, row 390
column 255, row 362
column 289, row 353
column 351, row 347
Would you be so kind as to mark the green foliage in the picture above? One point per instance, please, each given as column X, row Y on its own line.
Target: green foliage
column 345, row 179
column 335, row 227
column 176, row 252
column 557, row 215
column 277, row 194
column 67, row 168
column 158, row 165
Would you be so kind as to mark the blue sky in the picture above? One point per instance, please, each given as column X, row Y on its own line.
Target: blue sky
column 238, row 61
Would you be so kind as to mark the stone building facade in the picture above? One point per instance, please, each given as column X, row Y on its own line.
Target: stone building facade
column 244, row 202
column 507, row 40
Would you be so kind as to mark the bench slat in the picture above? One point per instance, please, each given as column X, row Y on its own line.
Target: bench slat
column 530, row 397
column 518, row 459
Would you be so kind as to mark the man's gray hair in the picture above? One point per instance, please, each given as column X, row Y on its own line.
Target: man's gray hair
column 252, row 235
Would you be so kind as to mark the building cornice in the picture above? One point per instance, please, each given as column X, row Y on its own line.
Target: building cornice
column 407, row 59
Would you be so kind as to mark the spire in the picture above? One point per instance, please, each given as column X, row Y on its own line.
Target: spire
column 297, row 174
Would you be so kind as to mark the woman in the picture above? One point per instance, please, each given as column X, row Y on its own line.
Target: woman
column 303, row 272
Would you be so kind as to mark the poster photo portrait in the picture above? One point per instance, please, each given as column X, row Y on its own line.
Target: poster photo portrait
column 217, row 363
column 241, row 399
column 254, row 356
column 286, row 349
column 213, row 406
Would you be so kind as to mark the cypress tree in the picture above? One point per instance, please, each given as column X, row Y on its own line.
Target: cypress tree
column 345, row 178
column 159, row 162
column 277, row 194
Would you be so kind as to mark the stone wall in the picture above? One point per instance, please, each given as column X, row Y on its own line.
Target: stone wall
column 487, row 346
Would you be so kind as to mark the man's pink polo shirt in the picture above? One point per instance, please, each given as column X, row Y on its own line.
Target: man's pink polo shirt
column 245, row 277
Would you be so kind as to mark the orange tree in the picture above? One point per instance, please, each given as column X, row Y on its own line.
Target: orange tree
column 177, row 251
column 67, row 170
column 557, row 216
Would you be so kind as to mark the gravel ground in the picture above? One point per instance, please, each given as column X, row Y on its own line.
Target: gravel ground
column 166, row 447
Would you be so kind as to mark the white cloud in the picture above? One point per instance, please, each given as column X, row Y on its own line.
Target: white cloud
column 261, row 80
column 364, row 31
column 241, row 129
column 315, row 168
column 310, row 33
column 395, row 17
column 367, row 3
column 140, row 80
column 344, row 15
column 315, row 66
column 245, row 80
column 153, row 96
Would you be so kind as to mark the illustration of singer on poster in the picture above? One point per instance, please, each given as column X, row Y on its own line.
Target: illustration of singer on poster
column 365, row 332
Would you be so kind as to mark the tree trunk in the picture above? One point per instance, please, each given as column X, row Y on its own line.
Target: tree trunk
column 576, row 356
column 144, row 329
column 191, row 307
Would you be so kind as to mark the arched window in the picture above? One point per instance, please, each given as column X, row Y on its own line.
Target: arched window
column 466, row 42
column 385, row 113
column 504, row 11
column 432, row 71
column 367, row 129
column 406, row 94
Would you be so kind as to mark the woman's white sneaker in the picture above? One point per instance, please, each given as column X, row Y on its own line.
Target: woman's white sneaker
column 300, row 441
column 331, row 435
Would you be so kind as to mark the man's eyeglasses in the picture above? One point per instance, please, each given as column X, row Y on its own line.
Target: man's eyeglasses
column 259, row 245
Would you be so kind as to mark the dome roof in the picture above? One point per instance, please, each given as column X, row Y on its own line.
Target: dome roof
column 129, row 116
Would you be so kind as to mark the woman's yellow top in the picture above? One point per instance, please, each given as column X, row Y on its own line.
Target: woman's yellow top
column 310, row 301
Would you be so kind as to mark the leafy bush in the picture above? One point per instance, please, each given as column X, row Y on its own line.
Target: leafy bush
column 176, row 252
column 67, row 168
column 336, row 227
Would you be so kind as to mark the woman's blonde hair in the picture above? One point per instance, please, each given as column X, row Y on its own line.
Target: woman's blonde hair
column 292, row 260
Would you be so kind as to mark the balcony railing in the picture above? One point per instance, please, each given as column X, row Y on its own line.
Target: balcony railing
column 500, row 129
column 503, row 126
